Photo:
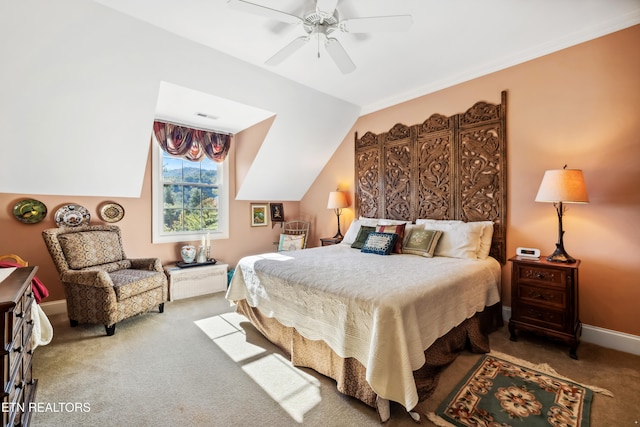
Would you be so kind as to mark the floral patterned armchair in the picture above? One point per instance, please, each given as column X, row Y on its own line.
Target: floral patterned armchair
column 101, row 284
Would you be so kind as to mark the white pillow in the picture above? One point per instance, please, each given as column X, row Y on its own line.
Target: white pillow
column 485, row 239
column 384, row 221
column 459, row 239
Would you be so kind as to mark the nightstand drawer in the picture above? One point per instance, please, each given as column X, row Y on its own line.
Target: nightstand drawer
column 547, row 297
column 548, row 276
column 549, row 319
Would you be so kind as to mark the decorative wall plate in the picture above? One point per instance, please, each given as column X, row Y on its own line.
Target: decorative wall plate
column 111, row 212
column 30, row 211
column 72, row 216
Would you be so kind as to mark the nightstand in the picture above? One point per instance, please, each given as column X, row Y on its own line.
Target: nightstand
column 544, row 300
column 328, row 241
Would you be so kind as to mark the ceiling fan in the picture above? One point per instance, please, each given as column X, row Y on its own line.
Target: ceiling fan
column 322, row 21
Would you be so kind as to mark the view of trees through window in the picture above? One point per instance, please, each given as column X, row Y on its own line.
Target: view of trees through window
column 190, row 194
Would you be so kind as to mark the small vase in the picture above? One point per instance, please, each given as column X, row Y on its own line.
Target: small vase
column 188, row 253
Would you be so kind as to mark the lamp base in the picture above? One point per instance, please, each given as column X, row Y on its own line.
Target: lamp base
column 560, row 255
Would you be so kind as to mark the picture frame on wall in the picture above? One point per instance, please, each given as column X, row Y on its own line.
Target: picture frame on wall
column 277, row 212
column 259, row 216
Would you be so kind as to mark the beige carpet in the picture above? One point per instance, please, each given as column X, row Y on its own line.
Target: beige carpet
column 200, row 364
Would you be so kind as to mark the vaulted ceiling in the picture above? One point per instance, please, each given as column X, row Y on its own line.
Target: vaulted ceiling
column 448, row 42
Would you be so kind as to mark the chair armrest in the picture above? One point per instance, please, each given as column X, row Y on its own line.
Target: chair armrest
column 151, row 264
column 95, row 278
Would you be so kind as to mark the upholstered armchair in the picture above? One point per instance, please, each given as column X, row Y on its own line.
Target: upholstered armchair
column 101, row 284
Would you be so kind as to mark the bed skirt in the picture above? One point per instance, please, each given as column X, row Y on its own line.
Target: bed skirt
column 349, row 374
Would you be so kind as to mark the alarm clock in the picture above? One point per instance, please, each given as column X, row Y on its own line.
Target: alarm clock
column 528, row 253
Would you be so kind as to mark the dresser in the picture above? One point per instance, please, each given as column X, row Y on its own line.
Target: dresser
column 16, row 298
column 544, row 300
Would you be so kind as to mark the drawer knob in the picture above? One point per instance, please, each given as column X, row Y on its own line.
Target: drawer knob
column 17, row 349
column 20, row 314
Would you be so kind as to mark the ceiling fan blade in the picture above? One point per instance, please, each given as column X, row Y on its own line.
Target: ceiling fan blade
column 287, row 51
column 339, row 56
column 265, row 11
column 376, row 24
column 326, row 7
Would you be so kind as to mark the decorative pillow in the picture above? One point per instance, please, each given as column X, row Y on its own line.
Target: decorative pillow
column 88, row 248
column 421, row 242
column 459, row 239
column 291, row 242
column 354, row 229
column 379, row 243
column 364, row 232
column 395, row 229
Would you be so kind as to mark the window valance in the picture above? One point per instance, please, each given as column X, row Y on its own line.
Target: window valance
column 191, row 144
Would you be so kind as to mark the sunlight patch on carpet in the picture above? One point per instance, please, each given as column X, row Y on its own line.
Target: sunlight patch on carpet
column 294, row 390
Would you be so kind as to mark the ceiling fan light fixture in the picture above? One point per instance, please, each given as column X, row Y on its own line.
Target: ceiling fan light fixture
column 322, row 21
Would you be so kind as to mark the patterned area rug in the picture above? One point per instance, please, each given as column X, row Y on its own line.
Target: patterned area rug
column 502, row 391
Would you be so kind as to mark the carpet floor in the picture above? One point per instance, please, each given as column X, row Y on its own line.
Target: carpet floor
column 200, row 364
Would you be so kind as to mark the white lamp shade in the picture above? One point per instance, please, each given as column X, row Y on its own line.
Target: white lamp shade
column 337, row 200
column 563, row 185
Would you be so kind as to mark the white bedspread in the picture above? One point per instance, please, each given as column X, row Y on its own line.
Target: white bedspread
column 383, row 311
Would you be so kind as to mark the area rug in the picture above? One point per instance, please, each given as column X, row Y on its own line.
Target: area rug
column 503, row 391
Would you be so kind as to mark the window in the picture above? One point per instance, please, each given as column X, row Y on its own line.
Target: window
column 189, row 198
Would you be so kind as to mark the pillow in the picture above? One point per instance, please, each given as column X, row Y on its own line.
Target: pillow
column 485, row 239
column 354, row 229
column 395, row 229
column 291, row 242
column 421, row 242
column 379, row 243
column 459, row 239
column 362, row 236
column 384, row 221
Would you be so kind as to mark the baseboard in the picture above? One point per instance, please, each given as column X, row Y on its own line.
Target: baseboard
column 600, row 336
column 54, row 307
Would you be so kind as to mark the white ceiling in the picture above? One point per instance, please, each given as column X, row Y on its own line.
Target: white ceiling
column 450, row 41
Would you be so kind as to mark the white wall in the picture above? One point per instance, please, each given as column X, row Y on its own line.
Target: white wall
column 79, row 84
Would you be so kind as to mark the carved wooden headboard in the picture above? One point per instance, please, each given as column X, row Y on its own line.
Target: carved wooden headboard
column 445, row 168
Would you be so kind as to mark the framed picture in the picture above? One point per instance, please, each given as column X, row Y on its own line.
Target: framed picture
column 277, row 212
column 258, row 215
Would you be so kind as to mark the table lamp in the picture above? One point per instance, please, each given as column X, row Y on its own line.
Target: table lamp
column 337, row 201
column 560, row 186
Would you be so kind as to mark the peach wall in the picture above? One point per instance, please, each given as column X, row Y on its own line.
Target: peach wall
column 579, row 106
column 26, row 240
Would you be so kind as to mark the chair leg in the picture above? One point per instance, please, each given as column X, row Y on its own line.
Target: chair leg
column 73, row 323
column 161, row 307
column 110, row 329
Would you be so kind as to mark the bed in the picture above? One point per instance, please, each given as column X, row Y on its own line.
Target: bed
column 383, row 323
